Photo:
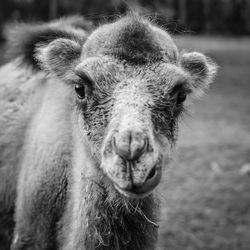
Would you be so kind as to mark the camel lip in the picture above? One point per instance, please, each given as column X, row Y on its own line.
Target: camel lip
column 143, row 190
column 131, row 194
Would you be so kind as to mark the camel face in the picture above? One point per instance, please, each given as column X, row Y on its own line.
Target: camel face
column 129, row 114
column 129, row 110
column 131, row 85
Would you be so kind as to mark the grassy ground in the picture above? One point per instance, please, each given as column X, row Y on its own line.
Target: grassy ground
column 206, row 197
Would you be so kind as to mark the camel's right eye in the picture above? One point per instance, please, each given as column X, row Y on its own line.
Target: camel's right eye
column 80, row 91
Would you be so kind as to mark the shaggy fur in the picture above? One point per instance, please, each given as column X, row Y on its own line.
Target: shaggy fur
column 58, row 147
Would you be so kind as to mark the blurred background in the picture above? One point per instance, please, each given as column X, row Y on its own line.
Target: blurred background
column 206, row 194
column 229, row 17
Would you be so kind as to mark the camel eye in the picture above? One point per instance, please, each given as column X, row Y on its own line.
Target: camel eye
column 80, row 91
column 181, row 97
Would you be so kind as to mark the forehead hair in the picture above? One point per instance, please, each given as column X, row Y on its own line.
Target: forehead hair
column 133, row 39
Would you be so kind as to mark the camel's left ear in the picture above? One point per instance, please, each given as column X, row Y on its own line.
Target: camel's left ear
column 201, row 70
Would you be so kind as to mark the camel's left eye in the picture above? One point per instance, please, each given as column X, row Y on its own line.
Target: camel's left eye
column 80, row 91
column 181, row 97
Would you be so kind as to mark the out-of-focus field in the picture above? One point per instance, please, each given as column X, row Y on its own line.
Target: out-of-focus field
column 206, row 194
column 1, row 54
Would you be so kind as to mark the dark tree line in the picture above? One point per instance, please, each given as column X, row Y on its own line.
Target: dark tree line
column 198, row 16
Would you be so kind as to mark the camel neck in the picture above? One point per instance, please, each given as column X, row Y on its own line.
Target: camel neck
column 115, row 222
column 99, row 217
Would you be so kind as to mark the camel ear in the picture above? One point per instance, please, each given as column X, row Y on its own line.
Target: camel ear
column 24, row 39
column 201, row 70
column 59, row 57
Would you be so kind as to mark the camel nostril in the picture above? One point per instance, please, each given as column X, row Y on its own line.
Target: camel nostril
column 130, row 145
column 137, row 148
column 122, row 150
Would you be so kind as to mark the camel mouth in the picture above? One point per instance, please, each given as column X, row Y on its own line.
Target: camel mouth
column 141, row 191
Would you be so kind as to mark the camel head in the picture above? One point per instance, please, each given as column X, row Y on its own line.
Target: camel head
column 131, row 87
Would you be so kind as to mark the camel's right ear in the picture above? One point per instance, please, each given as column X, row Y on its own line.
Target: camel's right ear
column 59, row 57
column 24, row 39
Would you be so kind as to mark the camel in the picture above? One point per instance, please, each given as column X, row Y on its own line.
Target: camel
column 89, row 121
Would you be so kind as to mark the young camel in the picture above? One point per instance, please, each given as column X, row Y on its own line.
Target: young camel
column 87, row 129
